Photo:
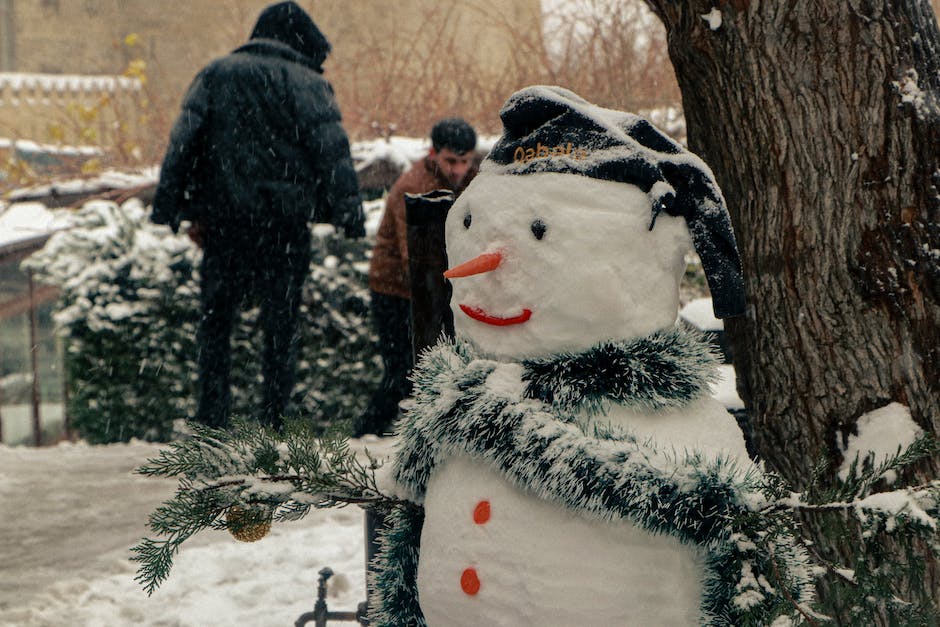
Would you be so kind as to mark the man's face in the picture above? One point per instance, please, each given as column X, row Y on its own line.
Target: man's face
column 453, row 166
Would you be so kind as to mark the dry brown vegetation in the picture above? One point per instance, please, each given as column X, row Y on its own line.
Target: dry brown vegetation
column 611, row 52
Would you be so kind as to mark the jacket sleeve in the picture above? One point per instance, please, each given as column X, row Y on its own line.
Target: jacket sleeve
column 338, row 192
column 171, row 200
column 395, row 211
column 338, row 200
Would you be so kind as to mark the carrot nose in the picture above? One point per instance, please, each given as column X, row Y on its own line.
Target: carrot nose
column 477, row 265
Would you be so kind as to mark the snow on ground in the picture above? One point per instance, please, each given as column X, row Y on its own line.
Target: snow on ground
column 699, row 313
column 70, row 514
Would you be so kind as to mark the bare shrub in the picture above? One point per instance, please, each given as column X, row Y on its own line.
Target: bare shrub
column 612, row 52
column 400, row 80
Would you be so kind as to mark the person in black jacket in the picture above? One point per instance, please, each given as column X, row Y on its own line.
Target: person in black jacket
column 258, row 152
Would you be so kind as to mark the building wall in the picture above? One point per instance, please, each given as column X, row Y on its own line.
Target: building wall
column 178, row 37
column 7, row 35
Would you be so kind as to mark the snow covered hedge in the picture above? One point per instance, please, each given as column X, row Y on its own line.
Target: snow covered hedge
column 129, row 308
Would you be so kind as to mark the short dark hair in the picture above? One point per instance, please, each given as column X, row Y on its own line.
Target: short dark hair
column 454, row 134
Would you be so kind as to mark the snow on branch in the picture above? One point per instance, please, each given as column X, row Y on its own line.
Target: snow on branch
column 915, row 505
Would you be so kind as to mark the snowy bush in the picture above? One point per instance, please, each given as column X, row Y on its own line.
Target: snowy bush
column 129, row 309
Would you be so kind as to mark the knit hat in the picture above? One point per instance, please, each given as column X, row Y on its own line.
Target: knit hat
column 289, row 24
column 551, row 129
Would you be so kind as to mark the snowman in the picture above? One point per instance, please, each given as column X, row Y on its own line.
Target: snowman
column 567, row 460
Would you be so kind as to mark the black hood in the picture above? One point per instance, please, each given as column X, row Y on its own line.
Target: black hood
column 287, row 23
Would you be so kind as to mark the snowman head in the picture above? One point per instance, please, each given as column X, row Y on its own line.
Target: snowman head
column 575, row 230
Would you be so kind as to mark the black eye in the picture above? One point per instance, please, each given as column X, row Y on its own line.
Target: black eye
column 466, row 221
column 538, row 228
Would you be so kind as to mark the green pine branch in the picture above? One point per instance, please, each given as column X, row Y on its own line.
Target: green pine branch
column 893, row 533
column 269, row 475
column 918, row 505
column 281, row 477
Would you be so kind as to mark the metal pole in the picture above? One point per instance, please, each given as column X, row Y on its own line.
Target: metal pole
column 321, row 613
column 7, row 37
column 34, row 359
column 374, row 521
column 66, row 414
column 1, row 393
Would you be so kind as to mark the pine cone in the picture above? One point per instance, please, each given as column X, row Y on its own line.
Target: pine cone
column 247, row 525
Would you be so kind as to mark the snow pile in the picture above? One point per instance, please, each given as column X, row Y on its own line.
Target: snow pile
column 911, row 93
column 713, row 18
column 699, row 313
column 724, row 390
column 882, row 433
column 400, row 151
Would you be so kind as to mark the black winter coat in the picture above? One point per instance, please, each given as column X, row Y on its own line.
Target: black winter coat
column 259, row 141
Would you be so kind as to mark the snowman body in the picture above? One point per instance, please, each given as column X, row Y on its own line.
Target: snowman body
column 534, row 562
column 577, row 265
column 540, row 564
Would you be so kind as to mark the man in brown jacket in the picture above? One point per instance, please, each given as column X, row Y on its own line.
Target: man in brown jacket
column 449, row 164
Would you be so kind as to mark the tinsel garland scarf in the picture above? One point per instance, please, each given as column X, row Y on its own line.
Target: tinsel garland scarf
column 520, row 419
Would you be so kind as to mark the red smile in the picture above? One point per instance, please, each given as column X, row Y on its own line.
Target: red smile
column 478, row 314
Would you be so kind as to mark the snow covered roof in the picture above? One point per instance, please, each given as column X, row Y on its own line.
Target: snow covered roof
column 107, row 180
column 24, row 218
column 22, row 222
column 27, row 146
column 402, row 151
column 15, row 82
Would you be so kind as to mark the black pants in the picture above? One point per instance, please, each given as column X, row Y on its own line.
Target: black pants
column 391, row 319
column 268, row 266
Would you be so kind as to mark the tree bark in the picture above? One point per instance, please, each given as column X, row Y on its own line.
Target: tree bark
column 820, row 120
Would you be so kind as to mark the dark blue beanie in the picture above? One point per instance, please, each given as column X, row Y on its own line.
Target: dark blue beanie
column 551, row 129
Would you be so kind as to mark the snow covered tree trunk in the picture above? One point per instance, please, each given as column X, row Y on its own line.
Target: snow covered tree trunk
column 821, row 122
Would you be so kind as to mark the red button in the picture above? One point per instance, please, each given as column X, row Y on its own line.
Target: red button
column 469, row 581
column 481, row 513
